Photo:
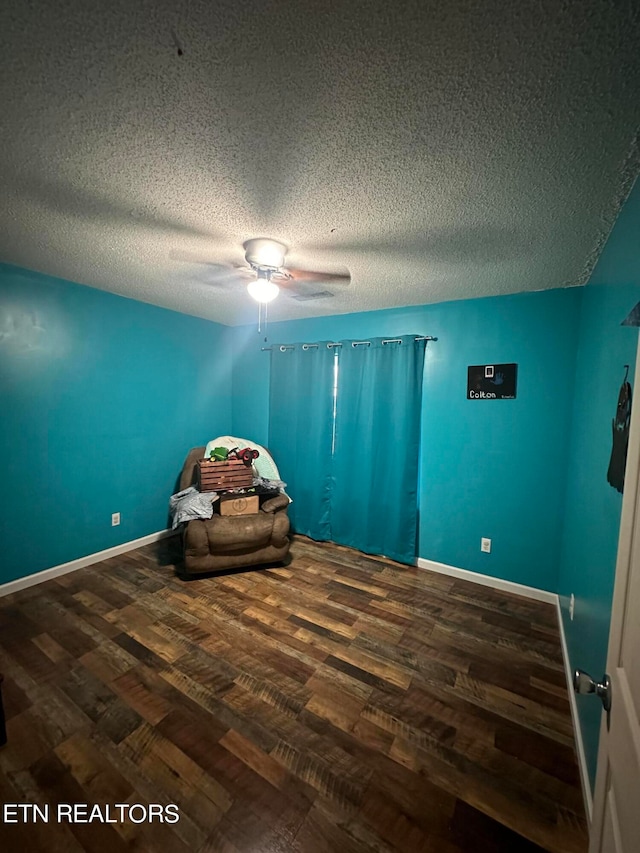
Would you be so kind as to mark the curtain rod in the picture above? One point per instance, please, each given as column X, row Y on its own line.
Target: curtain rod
column 330, row 345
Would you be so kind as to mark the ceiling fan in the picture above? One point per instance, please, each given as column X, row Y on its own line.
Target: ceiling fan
column 265, row 273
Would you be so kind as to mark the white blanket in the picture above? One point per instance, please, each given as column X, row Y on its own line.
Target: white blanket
column 263, row 466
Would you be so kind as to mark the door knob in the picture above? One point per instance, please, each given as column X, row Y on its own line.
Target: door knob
column 583, row 683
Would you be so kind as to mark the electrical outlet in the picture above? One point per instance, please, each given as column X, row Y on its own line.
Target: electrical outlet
column 572, row 606
column 115, row 519
column 485, row 545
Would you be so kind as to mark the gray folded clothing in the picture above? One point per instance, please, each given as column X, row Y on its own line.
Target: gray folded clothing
column 189, row 504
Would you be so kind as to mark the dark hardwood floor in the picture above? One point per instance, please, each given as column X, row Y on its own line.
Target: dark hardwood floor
column 343, row 703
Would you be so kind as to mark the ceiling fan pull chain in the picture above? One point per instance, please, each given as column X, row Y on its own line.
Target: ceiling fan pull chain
column 262, row 317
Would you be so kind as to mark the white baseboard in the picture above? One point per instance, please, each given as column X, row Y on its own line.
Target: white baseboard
column 81, row 562
column 551, row 598
column 577, row 729
column 487, row 580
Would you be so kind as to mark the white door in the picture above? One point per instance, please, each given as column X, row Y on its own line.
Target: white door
column 616, row 807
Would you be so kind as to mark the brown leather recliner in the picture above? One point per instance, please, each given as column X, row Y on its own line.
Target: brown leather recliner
column 226, row 542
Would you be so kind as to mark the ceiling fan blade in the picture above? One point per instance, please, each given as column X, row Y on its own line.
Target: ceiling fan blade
column 223, row 276
column 294, row 274
column 226, row 279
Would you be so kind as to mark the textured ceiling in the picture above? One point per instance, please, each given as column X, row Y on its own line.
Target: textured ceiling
column 439, row 150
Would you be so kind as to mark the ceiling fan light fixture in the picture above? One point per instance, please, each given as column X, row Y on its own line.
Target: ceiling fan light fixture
column 263, row 290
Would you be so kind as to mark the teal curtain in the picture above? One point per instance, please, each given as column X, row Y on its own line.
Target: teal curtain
column 377, row 439
column 301, row 431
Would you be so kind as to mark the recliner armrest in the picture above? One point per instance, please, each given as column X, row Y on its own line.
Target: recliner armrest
column 274, row 504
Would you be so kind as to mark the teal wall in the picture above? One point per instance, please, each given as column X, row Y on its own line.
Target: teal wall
column 592, row 514
column 488, row 468
column 101, row 398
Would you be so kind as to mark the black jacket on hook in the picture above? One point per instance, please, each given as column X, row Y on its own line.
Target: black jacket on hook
column 620, row 427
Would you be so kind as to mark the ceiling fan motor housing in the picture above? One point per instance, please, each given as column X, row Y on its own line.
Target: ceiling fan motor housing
column 264, row 254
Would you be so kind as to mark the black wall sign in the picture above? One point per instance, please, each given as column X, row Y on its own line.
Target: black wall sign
column 492, row 382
